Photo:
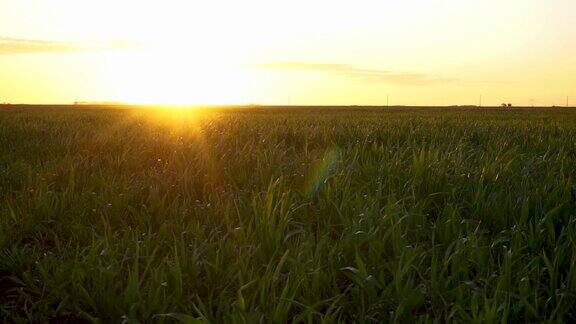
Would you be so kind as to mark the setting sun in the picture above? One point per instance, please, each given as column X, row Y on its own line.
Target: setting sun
column 173, row 76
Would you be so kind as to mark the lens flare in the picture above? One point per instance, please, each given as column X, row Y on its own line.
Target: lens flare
column 321, row 172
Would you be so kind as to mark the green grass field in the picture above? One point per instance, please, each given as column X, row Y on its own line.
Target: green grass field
column 288, row 215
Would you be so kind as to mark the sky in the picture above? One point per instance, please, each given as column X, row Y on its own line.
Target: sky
column 362, row 52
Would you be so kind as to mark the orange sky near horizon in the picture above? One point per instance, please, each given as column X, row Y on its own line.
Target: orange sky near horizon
column 414, row 52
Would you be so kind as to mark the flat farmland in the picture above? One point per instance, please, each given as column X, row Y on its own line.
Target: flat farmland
column 334, row 214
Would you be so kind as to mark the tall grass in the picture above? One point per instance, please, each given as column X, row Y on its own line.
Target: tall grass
column 288, row 215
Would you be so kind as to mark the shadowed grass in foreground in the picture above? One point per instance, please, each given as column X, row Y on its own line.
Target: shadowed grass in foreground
column 275, row 215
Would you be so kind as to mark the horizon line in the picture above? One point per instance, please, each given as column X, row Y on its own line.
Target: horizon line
column 159, row 105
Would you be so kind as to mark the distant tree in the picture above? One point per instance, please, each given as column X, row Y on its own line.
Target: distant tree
column 509, row 105
column 504, row 105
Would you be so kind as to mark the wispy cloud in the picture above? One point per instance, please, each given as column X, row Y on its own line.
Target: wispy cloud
column 353, row 72
column 11, row 45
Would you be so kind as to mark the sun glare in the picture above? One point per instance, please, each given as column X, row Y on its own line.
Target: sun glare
column 174, row 77
column 180, row 60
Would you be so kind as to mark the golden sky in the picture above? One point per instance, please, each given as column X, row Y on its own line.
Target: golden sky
column 414, row 52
